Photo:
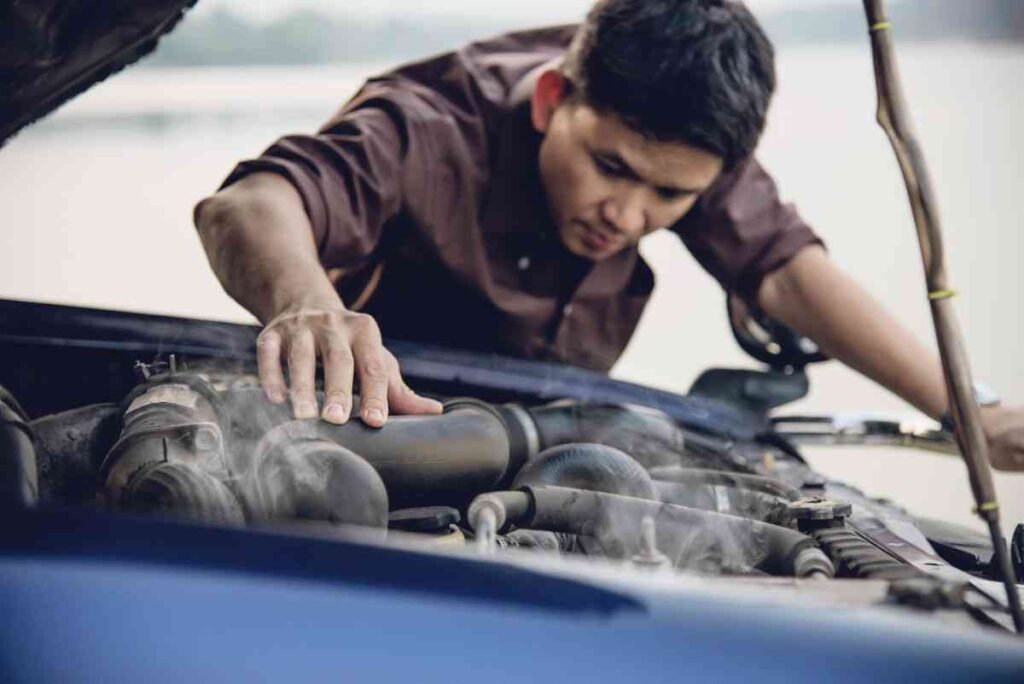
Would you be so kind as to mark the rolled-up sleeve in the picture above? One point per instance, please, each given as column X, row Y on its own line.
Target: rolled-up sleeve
column 358, row 171
column 740, row 231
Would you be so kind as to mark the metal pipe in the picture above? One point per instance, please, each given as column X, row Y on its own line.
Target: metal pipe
column 689, row 536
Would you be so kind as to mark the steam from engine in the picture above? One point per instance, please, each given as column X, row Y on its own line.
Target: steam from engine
column 622, row 483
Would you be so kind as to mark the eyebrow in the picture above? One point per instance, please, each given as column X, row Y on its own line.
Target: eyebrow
column 616, row 159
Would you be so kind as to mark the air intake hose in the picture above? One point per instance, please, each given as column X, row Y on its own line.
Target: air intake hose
column 170, row 454
column 434, row 459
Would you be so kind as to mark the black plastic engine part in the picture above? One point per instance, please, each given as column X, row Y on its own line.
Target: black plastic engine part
column 176, row 489
column 69, row 449
column 650, row 437
column 587, row 466
column 19, row 482
column 168, row 422
column 855, row 556
column 423, row 519
column 757, row 391
column 427, row 460
column 961, row 547
column 692, row 538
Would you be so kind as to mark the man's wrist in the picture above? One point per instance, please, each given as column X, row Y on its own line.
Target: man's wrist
column 984, row 395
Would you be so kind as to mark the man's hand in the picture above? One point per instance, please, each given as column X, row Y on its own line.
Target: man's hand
column 349, row 345
column 260, row 244
column 1004, row 429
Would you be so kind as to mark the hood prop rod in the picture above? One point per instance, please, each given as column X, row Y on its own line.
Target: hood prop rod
column 894, row 119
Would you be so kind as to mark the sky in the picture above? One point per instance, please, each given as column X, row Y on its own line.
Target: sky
column 542, row 11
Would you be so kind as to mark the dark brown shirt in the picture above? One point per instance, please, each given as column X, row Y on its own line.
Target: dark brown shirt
column 424, row 190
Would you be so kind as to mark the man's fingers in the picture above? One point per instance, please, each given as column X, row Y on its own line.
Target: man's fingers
column 409, row 403
column 338, row 370
column 268, row 360
column 371, row 365
column 302, row 373
column 403, row 400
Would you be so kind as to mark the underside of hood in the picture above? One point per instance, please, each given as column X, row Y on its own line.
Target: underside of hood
column 51, row 50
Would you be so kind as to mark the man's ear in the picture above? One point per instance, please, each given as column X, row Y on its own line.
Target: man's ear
column 549, row 92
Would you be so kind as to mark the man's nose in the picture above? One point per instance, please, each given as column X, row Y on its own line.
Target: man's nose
column 626, row 213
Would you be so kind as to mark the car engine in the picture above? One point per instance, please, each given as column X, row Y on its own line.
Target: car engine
column 623, row 483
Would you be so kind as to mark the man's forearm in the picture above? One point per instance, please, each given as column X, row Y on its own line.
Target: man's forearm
column 814, row 297
column 259, row 242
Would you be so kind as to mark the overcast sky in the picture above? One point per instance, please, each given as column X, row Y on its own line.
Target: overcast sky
column 541, row 11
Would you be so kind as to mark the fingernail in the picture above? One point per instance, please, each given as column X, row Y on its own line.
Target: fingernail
column 334, row 413
column 275, row 396
column 375, row 415
column 305, row 409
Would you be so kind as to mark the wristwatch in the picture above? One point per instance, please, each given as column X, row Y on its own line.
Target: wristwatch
column 983, row 394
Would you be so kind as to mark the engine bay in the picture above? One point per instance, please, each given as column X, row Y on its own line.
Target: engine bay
column 528, row 461
column 625, row 484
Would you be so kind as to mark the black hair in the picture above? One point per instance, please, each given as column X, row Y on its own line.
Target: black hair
column 700, row 72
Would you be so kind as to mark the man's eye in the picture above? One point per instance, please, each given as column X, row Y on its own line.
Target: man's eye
column 670, row 195
column 607, row 168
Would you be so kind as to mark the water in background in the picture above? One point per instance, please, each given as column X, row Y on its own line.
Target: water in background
column 97, row 204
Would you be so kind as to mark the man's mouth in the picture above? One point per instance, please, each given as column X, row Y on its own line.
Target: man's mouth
column 594, row 239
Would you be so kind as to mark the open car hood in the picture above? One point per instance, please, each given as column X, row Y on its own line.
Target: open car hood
column 51, row 50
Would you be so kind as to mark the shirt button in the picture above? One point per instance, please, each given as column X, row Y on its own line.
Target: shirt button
column 523, row 263
column 567, row 310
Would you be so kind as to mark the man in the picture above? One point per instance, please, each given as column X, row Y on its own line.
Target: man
column 493, row 198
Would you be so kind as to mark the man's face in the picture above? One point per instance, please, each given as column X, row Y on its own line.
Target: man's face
column 607, row 185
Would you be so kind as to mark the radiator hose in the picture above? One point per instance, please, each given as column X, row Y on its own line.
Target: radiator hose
column 587, row 466
column 650, row 437
column 744, row 481
column 690, row 538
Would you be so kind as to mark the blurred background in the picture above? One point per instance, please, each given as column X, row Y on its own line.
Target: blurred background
column 98, row 197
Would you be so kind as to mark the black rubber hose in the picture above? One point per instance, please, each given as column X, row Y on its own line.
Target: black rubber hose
column 723, row 499
column 18, row 477
column 178, row 489
column 314, row 479
column 691, row 538
column 587, row 466
column 699, row 476
column 425, row 460
column 651, row 438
